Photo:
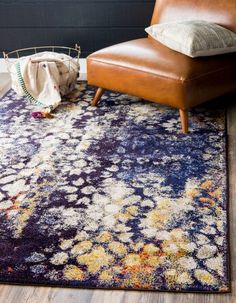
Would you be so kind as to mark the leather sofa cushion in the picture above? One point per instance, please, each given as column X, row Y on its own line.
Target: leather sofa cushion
column 179, row 81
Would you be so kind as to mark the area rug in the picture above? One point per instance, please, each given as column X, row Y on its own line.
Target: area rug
column 113, row 197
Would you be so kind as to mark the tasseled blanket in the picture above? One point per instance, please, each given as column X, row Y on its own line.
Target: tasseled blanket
column 44, row 78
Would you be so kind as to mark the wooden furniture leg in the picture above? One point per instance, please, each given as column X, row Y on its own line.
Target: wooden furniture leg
column 184, row 120
column 97, row 96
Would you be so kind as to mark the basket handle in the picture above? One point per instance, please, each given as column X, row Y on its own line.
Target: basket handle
column 77, row 47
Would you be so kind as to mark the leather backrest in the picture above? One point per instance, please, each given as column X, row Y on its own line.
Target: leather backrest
column 222, row 12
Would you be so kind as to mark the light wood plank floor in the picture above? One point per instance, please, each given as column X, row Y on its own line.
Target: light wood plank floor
column 26, row 294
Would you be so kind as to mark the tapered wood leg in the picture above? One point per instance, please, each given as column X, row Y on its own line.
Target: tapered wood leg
column 97, row 96
column 184, row 120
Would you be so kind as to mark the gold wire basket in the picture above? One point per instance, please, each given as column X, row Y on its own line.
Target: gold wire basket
column 14, row 56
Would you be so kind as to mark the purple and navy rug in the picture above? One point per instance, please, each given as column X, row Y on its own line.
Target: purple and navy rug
column 113, row 197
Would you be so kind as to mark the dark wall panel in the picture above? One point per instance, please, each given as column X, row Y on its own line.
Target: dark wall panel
column 93, row 24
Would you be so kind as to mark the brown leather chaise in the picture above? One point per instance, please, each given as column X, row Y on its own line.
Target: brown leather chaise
column 147, row 69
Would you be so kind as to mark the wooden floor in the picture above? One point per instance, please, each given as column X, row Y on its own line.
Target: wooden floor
column 20, row 294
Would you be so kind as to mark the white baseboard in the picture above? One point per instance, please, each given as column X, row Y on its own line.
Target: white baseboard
column 83, row 68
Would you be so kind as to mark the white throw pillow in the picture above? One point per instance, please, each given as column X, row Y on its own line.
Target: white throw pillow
column 194, row 38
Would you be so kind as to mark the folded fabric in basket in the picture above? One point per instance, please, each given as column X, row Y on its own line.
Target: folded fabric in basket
column 44, row 78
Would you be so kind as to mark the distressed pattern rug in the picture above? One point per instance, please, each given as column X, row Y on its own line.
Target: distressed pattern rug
column 114, row 196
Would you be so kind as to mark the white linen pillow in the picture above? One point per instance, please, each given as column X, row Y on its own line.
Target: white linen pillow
column 194, row 38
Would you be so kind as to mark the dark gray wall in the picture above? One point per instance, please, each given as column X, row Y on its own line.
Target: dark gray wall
column 93, row 24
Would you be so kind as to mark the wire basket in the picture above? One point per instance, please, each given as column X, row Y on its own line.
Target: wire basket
column 12, row 57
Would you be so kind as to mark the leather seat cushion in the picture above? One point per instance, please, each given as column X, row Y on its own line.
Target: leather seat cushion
column 148, row 69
